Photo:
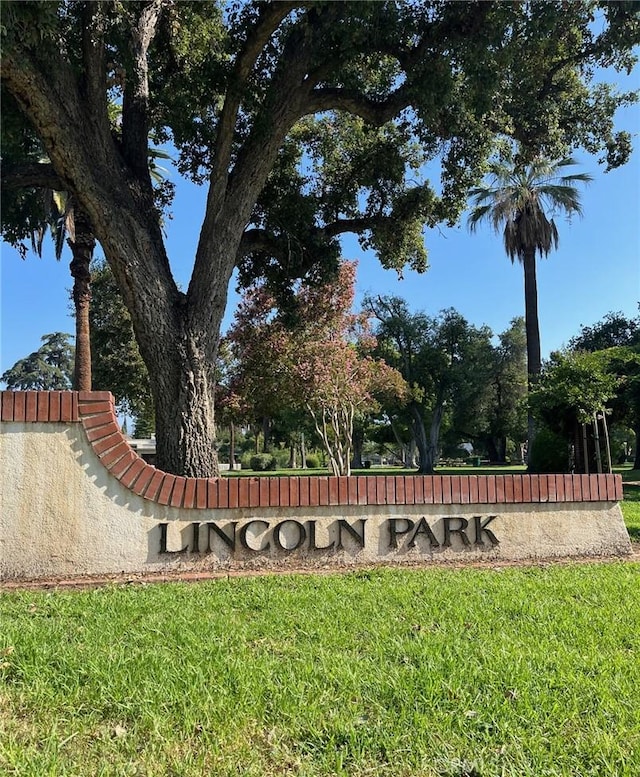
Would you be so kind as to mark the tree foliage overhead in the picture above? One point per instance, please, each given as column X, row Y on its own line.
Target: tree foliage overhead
column 306, row 120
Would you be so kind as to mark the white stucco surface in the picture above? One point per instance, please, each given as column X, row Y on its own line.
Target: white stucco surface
column 62, row 513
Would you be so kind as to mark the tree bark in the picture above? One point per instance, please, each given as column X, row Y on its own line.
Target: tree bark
column 425, row 466
column 434, row 435
column 82, row 246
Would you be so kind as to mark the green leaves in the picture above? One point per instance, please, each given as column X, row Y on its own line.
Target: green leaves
column 573, row 386
column 520, row 200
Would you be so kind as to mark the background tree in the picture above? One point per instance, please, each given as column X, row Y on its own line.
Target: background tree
column 445, row 362
column 507, row 402
column 29, row 212
column 317, row 362
column 615, row 329
column 617, row 340
column 50, row 368
column 573, row 388
column 250, row 92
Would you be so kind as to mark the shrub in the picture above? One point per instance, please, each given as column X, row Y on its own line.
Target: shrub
column 245, row 460
column 261, row 462
column 549, row 452
column 313, row 461
column 281, row 458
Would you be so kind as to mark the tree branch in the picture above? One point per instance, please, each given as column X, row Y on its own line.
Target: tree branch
column 135, row 104
column 31, row 175
column 270, row 18
column 260, row 240
column 373, row 112
column 94, row 82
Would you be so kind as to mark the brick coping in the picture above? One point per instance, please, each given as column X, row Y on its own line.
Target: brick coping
column 95, row 410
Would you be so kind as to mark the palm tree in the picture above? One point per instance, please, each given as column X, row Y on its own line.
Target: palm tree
column 520, row 201
column 67, row 222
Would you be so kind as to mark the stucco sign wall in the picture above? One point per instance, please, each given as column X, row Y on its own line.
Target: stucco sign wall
column 76, row 499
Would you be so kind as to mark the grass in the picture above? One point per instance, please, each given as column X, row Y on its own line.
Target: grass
column 448, row 673
column 631, row 510
column 523, row 672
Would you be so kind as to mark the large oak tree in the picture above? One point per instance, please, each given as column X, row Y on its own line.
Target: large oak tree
column 306, row 120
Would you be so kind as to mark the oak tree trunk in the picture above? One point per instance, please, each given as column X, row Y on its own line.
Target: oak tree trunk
column 425, row 466
column 434, row 435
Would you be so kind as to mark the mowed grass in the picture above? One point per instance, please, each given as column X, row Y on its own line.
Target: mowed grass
column 631, row 510
column 449, row 672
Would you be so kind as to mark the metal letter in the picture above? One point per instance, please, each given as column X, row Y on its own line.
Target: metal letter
column 302, row 535
column 195, row 542
column 230, row 541
column 482, row 527
column 394, row 531
column 243, row 537
column 423, row 528
column 311, row 528
column 357, row 536
column 163, row 542
column 461, row 530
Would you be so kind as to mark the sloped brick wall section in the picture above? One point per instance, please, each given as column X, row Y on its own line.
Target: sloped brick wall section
column 96, row 412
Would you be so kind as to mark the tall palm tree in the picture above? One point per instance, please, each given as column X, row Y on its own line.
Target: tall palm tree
column 521, row 201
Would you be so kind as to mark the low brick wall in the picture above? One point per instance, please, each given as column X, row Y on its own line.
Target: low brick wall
column 77, row 499
column 96, row 412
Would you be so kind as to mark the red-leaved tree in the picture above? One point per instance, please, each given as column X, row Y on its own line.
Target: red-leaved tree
column 320, row 364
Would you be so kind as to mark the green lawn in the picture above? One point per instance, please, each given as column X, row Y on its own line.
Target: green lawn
column 631, row 510
column 443, row 672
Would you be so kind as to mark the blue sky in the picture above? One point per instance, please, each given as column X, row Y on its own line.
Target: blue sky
column 595, row 270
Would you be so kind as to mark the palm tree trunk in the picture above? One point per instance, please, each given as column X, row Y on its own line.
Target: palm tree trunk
column 82, row 252
column 534, row 359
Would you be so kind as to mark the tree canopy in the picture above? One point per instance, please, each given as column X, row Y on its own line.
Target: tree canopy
column 306, row 120
column 447, row 364
column 50, row 368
